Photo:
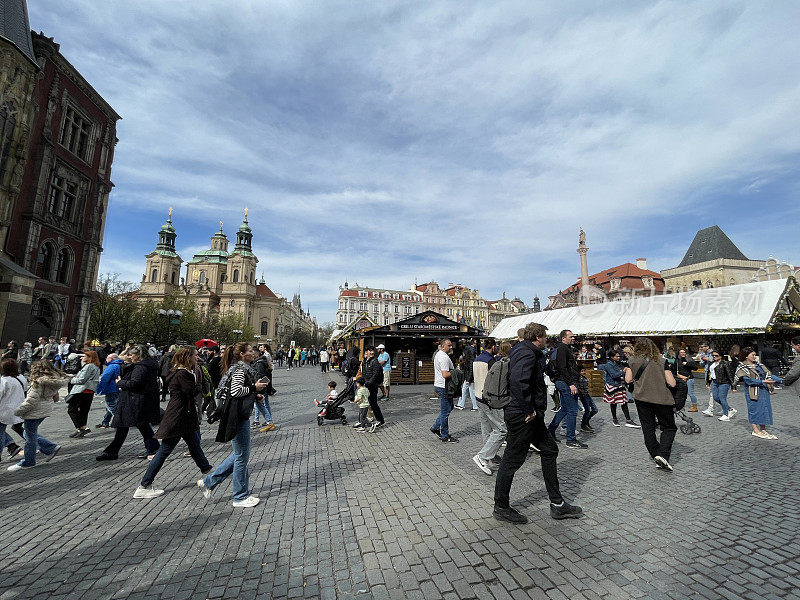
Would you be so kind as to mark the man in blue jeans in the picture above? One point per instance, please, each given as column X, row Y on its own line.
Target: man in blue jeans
column 567, row 375
column 108, row 388
column 442, row 368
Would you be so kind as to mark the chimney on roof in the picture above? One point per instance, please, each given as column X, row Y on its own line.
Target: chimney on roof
column 641, row 263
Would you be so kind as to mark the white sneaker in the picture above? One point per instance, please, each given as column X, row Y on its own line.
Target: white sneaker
column 147, row 492
column 663, row 463
column 207, row 491
column 17, row 467
column 708, row 413
column 248, row 502
column 725, row 418
column 481, row 464
column 732, row 412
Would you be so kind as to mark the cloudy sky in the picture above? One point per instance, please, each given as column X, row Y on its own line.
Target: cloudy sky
column 383, row 142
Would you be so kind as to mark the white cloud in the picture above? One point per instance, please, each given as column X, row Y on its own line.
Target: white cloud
column 459, row 142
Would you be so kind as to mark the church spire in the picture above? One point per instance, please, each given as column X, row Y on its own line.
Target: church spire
column 244, row 237
column 166, row 237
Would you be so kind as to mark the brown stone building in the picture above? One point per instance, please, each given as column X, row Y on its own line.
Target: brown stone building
column 56, row 197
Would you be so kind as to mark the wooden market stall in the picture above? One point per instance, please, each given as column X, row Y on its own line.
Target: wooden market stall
column 412, row 342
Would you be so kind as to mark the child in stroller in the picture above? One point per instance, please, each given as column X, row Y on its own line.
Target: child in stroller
column 331, row 408
column 680, row 393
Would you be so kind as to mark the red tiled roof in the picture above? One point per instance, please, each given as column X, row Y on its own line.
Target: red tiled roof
column 349, row 293
column 630, row 274
column 263, row 291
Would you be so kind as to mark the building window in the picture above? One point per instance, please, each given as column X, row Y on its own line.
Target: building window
column 62, row 266
column 264, row 327
column 233, row 303
column 236, row 276
column 7, row 124
column 63, row 197
column 173, row 277
column 202, row 276
column 44, row 261
column 75, row 133
column 154, row 276
column 396, row 309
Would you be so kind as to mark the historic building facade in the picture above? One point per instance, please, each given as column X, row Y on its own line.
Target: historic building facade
column 56, row 181
column 383, row 306
column 225, row 281
column 712, row 260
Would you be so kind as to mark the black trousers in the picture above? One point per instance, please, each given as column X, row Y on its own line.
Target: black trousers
column 78, row 409
column 650, row 415
column 520, row 436
column 373, row 404
column 150, row 443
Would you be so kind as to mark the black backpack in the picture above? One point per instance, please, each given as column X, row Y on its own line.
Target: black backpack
column 496, row 393
column 550, row 365
column 454, row 383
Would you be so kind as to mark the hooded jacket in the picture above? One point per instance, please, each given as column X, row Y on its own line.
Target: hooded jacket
column 38, row 403
column 526, row 380
column 108, row 380
column 138, row 395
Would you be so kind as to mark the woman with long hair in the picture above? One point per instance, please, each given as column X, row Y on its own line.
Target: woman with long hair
column 180, row 420
column 614, row 391
column 137, row 405
column 45, row 382
column 759, row 384
column 719, row 379
column 237, row 393
column 84, row 385
column 650, row 376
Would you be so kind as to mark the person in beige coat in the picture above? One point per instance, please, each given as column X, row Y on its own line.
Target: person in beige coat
column 45, row 382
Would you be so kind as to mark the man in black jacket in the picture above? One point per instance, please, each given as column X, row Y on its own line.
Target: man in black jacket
column 372, row 372
column 566, row 382
column 524, row 417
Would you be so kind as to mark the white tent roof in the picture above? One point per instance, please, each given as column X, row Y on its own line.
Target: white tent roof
column 745, row 308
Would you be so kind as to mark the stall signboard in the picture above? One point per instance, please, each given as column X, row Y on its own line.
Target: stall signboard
column 428, row 322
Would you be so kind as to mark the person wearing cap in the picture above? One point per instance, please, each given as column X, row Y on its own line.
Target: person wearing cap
column 386, row 364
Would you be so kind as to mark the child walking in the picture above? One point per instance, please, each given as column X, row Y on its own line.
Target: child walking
column 362, row 399
column 589, row 407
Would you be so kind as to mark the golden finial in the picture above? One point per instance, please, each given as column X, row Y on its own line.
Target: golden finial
column 220, row 225
column 170, row 213
column 245, row 213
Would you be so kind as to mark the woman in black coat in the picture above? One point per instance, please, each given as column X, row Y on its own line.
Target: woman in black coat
column 137, row 405
column 180, row 420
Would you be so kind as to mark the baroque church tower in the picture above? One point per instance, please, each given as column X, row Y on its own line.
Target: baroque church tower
column 163, row 271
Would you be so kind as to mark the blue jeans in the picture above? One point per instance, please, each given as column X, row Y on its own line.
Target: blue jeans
column 720, row 394
column 468, row 389
column 111, row 407
column 690, row 385
column 236, row 463
column 264, row 409
column 569, row 409
column 589, row 409
column 33, row 441
column 446, row 404
column 167, row 446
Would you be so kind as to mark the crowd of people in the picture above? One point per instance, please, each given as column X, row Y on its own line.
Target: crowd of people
column 511, row 387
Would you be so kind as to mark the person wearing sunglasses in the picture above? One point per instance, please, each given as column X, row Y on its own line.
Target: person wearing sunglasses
column 719, row 379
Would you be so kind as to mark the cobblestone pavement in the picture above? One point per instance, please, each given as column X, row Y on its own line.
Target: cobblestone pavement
column 398, row 514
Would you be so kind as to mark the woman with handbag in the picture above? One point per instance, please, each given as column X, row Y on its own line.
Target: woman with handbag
column 237, row 393
column 614, row 392
column 180, row 420
column 84, row 385
column 137, row 405
column 654, row 402
column 759, row 384
column 719, row 379
column 45, row 381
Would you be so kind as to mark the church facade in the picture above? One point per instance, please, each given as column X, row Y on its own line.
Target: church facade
column 223, row 280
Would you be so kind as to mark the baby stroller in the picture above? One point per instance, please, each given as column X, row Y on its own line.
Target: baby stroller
column 333, row 411
column 680, row 393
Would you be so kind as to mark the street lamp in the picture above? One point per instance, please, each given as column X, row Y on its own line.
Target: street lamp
column 237, row 333
column 171, row 317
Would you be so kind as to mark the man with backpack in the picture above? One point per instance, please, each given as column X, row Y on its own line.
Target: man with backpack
column 493, row 428
column 566, row 375
column 524, row 417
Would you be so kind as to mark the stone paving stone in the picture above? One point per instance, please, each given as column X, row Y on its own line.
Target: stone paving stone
column 398, row 515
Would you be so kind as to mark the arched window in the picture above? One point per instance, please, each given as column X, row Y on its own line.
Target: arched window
column 235, row 275
column 264, row 327
column 44, row 261
column 62, row 266
column 173, row 278
column 154, row 276
column 202, row 276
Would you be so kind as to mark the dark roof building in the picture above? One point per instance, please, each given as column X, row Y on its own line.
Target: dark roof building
column 712, row 260
column 14, row 27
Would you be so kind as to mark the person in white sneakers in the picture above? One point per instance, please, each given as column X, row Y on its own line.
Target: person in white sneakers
column 237, row 393
column 719, row 379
